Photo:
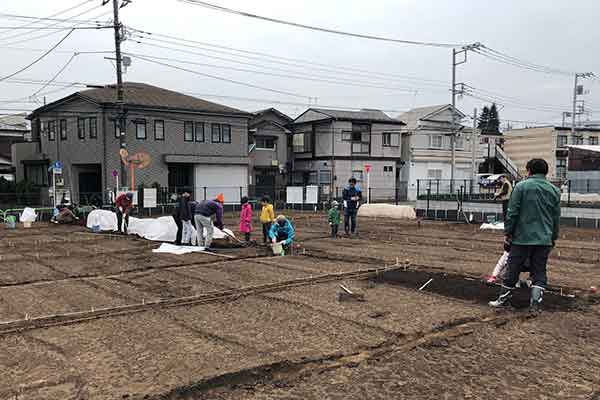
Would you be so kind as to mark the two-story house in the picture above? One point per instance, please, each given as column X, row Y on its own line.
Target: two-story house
column 269, row 151
column 547, row 142
column 13, row 129
column 427, row 147
column 330, row 146
column 192, row 143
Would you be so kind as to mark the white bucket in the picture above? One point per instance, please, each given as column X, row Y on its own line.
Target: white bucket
column 277, row 249
column 27, row 224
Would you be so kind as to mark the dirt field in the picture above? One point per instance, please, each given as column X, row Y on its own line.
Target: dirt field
column 89, row 316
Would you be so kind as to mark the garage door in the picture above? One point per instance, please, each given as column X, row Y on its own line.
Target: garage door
column 227, row 179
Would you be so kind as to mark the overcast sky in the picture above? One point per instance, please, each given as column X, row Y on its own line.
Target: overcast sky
column 559, row 34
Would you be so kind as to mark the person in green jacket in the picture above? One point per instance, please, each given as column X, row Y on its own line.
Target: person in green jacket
column 333, row 217
column 531, row 229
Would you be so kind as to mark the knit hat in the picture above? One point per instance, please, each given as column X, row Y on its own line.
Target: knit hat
column 221, row 198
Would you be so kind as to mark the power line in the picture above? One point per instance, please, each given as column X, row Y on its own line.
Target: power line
column 271, row 58
column 37, row 59
column 37, row 19
column 221, row 78
column 56, row 75
column 320, row 29
column 20, row 34
column 58, row 13
column 300, row 77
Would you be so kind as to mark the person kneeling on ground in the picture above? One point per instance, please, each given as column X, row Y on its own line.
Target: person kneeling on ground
column 501, row 267
column 203, row 213
column 282, row 231
column 333, row 217
column 65, row 216
column 123, row 204
column 531, row 226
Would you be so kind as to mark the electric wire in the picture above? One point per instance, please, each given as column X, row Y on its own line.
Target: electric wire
column 320, row 29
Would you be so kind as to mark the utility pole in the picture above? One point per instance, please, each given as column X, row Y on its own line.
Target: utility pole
column 455, row 53
column 576, row 92
column 474, row 147
column 121, row 123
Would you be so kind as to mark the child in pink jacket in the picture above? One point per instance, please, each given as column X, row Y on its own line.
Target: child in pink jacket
column 246, row 218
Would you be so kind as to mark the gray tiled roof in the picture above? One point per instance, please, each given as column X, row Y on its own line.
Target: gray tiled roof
column 142, row 94
column 366, row 115
column 411, row 118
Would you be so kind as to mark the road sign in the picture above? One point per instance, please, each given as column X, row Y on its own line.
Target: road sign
column 57, row 165
column 56, row 171
column 368, row 168
column 115, row 173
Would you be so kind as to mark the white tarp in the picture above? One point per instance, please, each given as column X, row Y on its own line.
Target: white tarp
column 162, row 229
column 178, row 250
column 387, row 211
column 495, row 226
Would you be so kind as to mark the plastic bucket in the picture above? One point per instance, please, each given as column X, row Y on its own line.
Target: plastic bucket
column 11, row 222
column 277, row 249
column 27, row 224
column 96, row 228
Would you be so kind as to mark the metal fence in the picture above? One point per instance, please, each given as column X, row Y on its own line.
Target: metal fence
column 573, row 191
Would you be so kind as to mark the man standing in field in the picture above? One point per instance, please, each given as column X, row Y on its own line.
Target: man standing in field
column 504, row 194
column 531, row 227
column 352, row 197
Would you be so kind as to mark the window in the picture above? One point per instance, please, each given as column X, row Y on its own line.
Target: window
column 434, row 174
column 435, row 141
column 199, row 132
column 347, row 136
column 593, row 140
column 159, row 129
column 361, row 138
column 93, row 126
column 312, row 178
column 216, row 133
column 459, row 142
column 51, row 130
column 117, row 130
column 226, row 133
column 577, row 140
column 140, row 129
column 81, row 128
column 265, row 143
column 188, row 131
column 358, row 175
column 388, row 169
column 302, row 143
column 390, row 139
column 63, row 129
column 37, row 174
column 324, row 177
column 561, row 168
column 562, row 140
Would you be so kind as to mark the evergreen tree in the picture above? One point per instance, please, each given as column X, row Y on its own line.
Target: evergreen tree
column 494, row 120
column 484, row 119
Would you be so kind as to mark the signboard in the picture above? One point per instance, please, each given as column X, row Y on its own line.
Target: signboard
column 295, row 195
column 150, row 198
column 368, row 168
column 312, row 194
column 56, row 171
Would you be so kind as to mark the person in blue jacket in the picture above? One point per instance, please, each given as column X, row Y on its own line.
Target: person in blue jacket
column 282, row 231
column 352, row 195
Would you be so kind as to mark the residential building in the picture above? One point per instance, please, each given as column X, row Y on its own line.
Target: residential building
column 269, row 151
column 427, row 149
column 584, row 169
column 192, row 143
column 330, row 146
column 13, row 129
column 547, row 142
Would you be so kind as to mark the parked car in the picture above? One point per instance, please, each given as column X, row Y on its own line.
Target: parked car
column 491, row 181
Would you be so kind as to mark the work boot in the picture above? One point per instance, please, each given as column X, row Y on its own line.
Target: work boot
column 504, row 299
column 537, row 295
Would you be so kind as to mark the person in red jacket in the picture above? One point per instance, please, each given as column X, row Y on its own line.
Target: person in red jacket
column 123, row 204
